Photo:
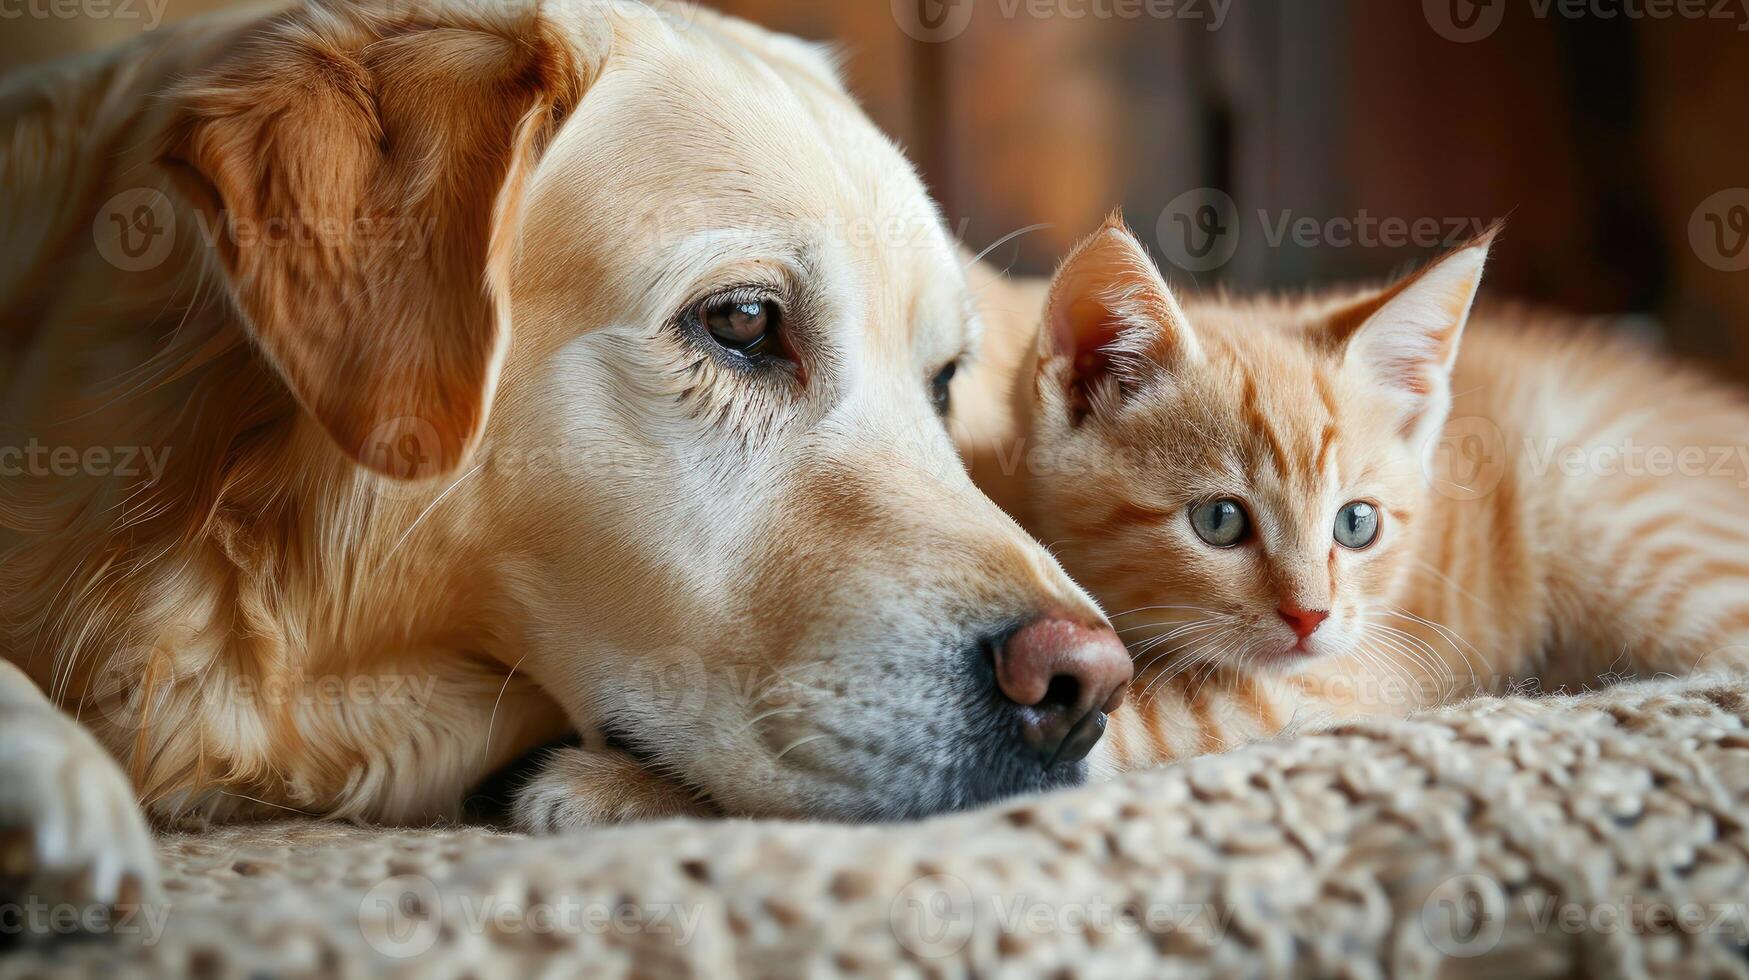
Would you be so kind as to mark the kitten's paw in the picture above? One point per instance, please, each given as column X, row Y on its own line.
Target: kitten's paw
column 72, row 835
column 583, row 788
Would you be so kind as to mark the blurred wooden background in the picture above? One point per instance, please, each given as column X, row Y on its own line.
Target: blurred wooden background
column 1611, row 144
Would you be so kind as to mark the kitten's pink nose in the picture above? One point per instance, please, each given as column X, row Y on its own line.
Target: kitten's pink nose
column 1304, row 622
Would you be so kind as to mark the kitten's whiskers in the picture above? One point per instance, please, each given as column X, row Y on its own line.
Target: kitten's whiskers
column 1431, row 661
column 1450, row 634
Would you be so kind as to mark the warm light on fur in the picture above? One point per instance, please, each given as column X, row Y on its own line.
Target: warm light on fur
column 1294, row 407
column 462, row 456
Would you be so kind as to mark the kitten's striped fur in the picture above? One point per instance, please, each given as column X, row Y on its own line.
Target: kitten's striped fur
column 1578, row 514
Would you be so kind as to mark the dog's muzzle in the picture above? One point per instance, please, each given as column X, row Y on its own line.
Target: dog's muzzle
column 1061, row 678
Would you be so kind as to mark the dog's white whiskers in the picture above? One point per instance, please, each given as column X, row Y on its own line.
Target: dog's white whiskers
column 427, row 512
column 784, row 710
column 281, row 806
column 1132, row 612
column 805, row 739
column 486, row 747
column 1005, row 239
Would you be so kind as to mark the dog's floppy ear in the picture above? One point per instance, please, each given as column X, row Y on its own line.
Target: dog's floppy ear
column 360, row 176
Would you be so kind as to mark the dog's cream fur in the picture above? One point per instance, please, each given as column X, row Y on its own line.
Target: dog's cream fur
column 443, row 474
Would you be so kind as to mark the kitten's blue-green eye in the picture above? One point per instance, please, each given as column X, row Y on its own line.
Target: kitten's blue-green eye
column 1221, row 523
column 1357, row 525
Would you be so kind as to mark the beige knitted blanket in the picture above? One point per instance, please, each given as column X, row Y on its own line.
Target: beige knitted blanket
column 1597, row 835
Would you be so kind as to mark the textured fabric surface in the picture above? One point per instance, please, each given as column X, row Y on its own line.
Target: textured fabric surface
column 1599, row 835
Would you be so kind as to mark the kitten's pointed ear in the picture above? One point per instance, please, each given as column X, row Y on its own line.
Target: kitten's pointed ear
column 1406, row 339
column 1110, row 320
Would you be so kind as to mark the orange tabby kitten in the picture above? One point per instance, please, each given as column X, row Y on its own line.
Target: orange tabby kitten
column 1314, row 508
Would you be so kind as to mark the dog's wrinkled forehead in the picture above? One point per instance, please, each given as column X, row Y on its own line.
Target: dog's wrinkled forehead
column 711, row 148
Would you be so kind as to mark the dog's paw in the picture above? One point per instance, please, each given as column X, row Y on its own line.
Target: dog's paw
column 584, row 788
column 71, row 833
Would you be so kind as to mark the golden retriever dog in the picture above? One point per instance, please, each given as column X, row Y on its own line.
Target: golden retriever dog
column 389, row 390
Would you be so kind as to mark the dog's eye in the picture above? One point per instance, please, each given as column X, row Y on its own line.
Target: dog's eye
column 742, row 324
column 938, row 388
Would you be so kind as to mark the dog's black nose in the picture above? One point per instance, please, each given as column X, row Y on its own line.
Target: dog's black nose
column 1063, row 676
